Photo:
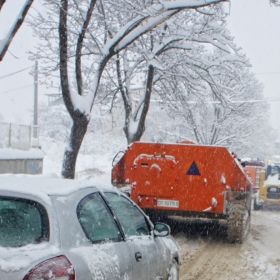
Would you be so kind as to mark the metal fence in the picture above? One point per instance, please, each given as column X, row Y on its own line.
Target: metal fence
column 18, row 136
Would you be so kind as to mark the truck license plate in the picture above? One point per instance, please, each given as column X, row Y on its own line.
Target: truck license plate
column 168, row 203
column 273, row 189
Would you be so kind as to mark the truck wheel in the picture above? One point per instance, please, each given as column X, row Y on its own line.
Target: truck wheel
column 173, row 273
column 256, row 205
column 238, row 222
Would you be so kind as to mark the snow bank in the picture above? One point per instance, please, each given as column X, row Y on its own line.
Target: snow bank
column 9, row 153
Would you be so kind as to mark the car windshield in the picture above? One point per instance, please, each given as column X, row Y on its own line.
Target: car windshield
column 22, row 222
column 273, row 172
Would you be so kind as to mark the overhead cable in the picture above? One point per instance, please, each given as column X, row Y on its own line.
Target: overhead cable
column 17, row 88
column 11, row 74
column 267, row 73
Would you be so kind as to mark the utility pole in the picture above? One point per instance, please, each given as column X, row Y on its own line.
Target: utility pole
column 35, row 116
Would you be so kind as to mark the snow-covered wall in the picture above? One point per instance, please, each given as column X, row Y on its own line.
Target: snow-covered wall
column 21, row 162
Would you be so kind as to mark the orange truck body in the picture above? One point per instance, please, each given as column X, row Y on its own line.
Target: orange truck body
column 181, row 179
column 253, row 172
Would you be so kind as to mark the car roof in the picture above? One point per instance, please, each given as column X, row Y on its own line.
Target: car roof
column 44, row 187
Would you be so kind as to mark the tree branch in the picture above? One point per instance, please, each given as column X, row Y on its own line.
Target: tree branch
column 5, row 43
column 2, row 2
column 80, row 46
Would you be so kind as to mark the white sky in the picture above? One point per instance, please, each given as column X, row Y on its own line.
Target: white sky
column 254, row 24
column 256, row 28
column 17, row 91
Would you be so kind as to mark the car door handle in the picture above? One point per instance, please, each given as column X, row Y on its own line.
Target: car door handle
column 138, row 256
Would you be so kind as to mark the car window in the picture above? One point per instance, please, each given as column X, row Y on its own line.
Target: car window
column 96, row 219
column 22, row 222
column 132, row 220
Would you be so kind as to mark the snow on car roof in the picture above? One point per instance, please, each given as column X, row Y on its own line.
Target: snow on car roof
column 43, row 187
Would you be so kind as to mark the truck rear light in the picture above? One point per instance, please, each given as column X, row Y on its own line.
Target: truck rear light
column 58, row 268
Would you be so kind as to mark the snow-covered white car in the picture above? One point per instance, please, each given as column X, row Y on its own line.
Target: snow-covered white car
column 68, row 229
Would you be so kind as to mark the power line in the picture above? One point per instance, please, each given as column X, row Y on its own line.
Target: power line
column 256, row 101
column 239, row 101
column 11, row 74
column 275, row 100
column 219, row 102
column 267, row 73
column 17, row 88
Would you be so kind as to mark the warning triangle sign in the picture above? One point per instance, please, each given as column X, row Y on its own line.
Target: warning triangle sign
column 193, row 170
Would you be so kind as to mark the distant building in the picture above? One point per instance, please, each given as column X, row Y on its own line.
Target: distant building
column 54, row 99
column 20, row 151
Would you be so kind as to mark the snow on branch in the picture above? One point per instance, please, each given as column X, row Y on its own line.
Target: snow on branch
column 162, row 12
column 155, row 15
column 6, row 41
column 275, row 3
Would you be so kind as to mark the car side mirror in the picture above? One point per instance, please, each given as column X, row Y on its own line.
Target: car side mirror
column 161, row 229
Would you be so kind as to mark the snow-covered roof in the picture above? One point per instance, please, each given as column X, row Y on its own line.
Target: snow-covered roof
column 9, row 153
column 42, row 187
column 275, row 159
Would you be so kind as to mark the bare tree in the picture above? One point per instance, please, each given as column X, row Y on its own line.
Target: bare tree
column 89, row 31
column 239, row 121
column 185, row 33
column 6, row 41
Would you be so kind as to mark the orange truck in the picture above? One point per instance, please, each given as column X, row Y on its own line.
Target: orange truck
column 187, row 180
column 253, row 169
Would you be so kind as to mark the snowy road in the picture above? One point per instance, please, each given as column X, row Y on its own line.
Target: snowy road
column 208, row 256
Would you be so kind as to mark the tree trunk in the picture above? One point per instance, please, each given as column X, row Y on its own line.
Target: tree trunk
column 78, row 131
column 2, row 3
column 80, row 120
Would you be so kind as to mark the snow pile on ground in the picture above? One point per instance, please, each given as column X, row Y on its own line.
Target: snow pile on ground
column 95, row 160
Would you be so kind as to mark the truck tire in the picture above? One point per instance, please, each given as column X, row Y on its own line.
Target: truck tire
column 256, row 206
column 238, row 222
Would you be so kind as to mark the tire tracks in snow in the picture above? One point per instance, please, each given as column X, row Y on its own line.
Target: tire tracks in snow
column 212, row 257
column 214, row 260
